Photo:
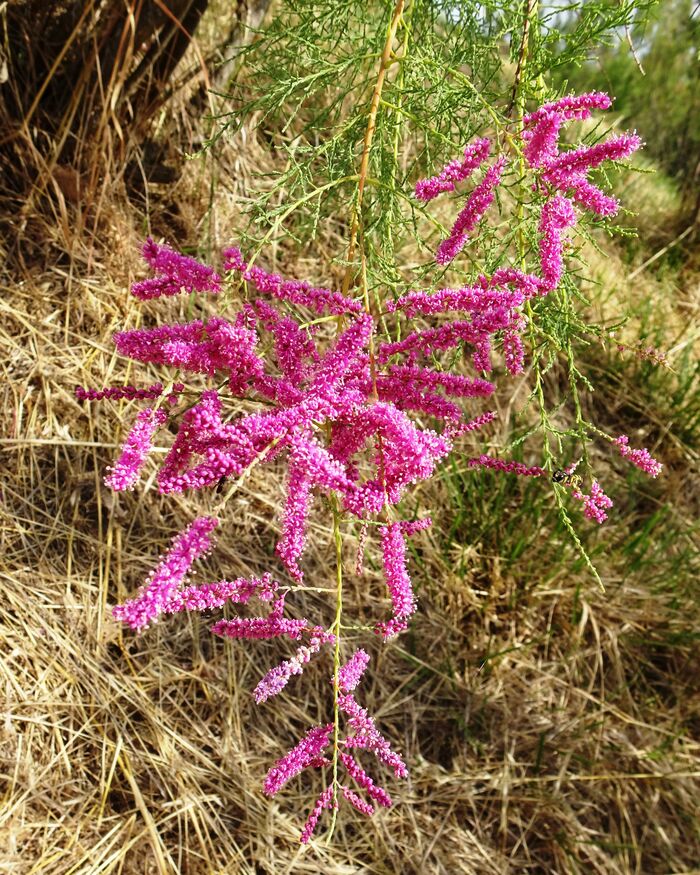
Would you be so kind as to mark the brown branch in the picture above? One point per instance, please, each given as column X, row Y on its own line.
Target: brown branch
column 522, row 55
column 384, row 65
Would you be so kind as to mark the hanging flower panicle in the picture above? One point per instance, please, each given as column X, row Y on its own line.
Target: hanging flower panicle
column 357, row 418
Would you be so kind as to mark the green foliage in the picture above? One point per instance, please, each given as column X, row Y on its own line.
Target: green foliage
column 308, row 84
column 313, row 85
column 653, row 69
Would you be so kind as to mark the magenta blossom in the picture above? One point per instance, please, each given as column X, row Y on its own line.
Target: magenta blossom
column 325, row 800
column 363, row 780
column 307, row 751
column 350, row 674
column 510, row 467
column 130, row 392
column 595, row 504
column 351, row 407
column 456, row 171
column 125, row 471
column 175, row 273
column 295, row 291
column 641, row 459
column 541, row 128
column 557, row 215
column 472, row 212
column 278, row 677
column 162, row 584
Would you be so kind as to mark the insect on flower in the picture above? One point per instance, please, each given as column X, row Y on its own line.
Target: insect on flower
column 567, row 477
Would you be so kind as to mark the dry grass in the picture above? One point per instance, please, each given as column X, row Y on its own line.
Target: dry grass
column 549, row 728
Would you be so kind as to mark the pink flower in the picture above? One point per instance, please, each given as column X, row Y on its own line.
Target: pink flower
column 574, row 106
column 324, row 801
column 477, row 204
column 125, row 471
column 541, row 128
column 362, row 779
column 541, row 143
column 294, row 347
column 475, row 424
column 164, row 581
column 410, row 527
column 641, row 459
column 511, row 467
column 332, row 402
column 397, row 580
column 295, row 291
column 351, row 672
column 429, row 340
column 363, row 807
column 481, row 357
column 296, row 509
column 298, row 758
column 557, row 215
column 409, row 396
column 453, row 384
column 149, row 344
column 368, row 737
column 226, row 449
column 481, row 299
column 590, row 196
column 407, row 454
column 310, row 464
column 278, row 677
column 208, row 596
column 262, row 628
column 513, row 352
column 202, row 348
column 569, row 171
column 130, row 392
column 456, row 171
column 175, row 273
column 587, row 157
column 595, row 504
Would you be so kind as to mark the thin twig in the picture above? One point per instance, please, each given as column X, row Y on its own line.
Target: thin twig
column 384, row 64
column 522, row 57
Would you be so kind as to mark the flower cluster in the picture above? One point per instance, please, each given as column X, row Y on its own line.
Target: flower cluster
column 356, row 417
column 163, row 585
column 456, row 171
column 398, row 581
column 470, row 215
column 510, row 467
column 174, row 274
column 641, row 459
column 595, row 504
column 116, row 392
column 362, row 734
column 568, row 171
column 125, row 471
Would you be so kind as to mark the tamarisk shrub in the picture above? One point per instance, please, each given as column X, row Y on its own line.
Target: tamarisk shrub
column 357, row 418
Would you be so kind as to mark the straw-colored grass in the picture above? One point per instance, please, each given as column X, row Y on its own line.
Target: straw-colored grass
column 548, row 727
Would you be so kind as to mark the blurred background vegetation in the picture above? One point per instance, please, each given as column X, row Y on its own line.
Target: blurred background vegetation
column 654, row 73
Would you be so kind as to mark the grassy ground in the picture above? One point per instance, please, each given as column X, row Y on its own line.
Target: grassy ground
column 549, row 727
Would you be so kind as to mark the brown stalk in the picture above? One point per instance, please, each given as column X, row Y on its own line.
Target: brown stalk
column 524, row 43
column 384, row 65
